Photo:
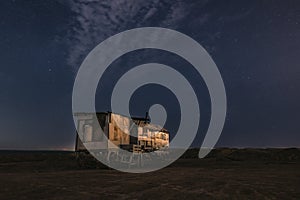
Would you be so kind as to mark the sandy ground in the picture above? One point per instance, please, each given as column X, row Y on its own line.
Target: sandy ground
column 31, row 176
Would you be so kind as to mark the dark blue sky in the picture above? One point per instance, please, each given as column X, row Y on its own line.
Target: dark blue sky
column 255, row 44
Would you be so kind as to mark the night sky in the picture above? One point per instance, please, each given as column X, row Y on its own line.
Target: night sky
column 255, row 44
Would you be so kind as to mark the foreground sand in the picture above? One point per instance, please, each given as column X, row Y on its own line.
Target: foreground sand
column 57, row 176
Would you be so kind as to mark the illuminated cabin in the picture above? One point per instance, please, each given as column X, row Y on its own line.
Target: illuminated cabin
column 145, row 137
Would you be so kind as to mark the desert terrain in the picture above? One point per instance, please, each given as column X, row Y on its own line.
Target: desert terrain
column 224, row 174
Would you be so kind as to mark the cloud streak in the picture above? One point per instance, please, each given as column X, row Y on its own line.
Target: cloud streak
column 95, row 21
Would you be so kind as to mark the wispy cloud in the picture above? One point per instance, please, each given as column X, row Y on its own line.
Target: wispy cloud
column 97, row 20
